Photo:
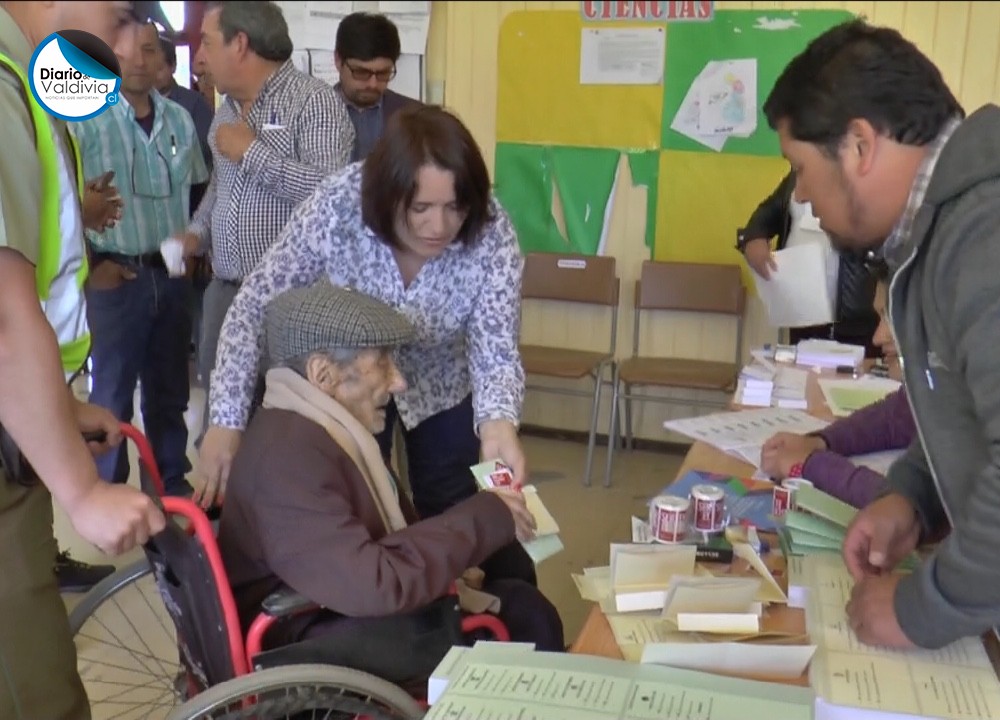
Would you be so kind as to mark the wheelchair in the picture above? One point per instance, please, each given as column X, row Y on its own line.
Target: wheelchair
column 161, row 638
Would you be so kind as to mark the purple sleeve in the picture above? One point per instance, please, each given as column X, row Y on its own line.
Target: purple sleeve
column 836, row 475
column 885, row 425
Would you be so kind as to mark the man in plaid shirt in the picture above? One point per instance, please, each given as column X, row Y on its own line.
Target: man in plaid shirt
column 277, row 133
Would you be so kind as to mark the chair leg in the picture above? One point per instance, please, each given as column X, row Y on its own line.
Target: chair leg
column 613, row 432
column 592, row 439
column 629, row 440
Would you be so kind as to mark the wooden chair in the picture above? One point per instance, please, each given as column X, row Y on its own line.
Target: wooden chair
column 584, row 279
column 678, row 287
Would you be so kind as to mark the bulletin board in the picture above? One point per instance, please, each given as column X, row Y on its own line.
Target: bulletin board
column 558, row 136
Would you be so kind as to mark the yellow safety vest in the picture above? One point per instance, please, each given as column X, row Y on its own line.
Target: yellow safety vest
column 72, row 350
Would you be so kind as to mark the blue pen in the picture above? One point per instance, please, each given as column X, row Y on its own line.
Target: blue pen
column 173, row 146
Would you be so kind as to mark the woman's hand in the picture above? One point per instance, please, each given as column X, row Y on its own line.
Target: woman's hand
column 498, row 440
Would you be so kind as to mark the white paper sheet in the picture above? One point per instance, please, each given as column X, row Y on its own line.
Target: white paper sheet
column 409, row 78
column 779, row 661
column 622, row 56
column 321, row 23
column 727, row 99
column 412, row 32
column 405, row 7
column 746, row 430
column 686, row 121
column 322, row 66
column 797, row 295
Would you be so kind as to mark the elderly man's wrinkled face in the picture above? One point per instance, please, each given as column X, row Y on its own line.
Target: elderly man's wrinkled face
column 364, row 387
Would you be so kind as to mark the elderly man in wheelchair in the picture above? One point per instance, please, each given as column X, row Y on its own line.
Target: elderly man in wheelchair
column 312, row 507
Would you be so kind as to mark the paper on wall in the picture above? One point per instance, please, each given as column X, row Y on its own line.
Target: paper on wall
column 686, row 120
column 727, row 99
column 409, row 80
column 622, row 56
column 412, row 33
column 405, row 7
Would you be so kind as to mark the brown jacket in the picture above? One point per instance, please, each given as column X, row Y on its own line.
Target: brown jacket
column 298, row 512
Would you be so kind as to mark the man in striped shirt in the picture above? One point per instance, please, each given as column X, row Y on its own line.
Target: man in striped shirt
column 277, row 134
column 140, row 317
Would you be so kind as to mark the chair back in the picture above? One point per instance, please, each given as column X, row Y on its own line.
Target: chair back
column 690, row 287
column 189, row 576
column 589, row 279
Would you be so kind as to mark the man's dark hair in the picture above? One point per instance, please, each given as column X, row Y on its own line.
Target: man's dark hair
column 855, row 71
column 416, row 136
column 366, row 36
column 262, row 22
column 169, row 51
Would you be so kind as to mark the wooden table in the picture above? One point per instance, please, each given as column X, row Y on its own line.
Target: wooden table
column 596, row 637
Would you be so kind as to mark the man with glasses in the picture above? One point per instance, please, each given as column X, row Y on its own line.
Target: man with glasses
column 366, row 54
column 139, row 315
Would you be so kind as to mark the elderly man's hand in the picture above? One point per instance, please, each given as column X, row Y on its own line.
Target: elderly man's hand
column 498, row 439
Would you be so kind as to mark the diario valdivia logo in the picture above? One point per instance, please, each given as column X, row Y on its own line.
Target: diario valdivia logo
column 74, row 75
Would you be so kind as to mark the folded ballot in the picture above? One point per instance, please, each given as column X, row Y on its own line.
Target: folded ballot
column 546, row 543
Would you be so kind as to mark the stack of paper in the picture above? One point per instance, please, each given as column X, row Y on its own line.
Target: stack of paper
column 641, row 574
column 790, row 388
column 845, row 396
column 853, row 680
column 546, row 543
column 755, row 386
column 829, row 354
column 742, row 433
column 490, row 685
column 818, row 524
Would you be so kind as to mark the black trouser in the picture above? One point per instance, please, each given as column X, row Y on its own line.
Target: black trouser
column 439, row 453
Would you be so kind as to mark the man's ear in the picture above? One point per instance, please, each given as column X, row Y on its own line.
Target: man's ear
column 322, row 372
column 860, row 146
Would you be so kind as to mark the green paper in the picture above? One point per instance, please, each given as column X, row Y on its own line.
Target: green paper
column 574, row 686
column 800, row 523
column 645, row 169
column 735, row 35
column 850, row 399
column 583, row 177
column 524, row 187
column 825, row 506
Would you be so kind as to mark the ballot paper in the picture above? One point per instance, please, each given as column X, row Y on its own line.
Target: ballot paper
column 640, row 574
column 797, row 293
column 546, row 543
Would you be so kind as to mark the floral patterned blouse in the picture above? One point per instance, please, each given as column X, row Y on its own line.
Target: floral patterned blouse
column 465, row 304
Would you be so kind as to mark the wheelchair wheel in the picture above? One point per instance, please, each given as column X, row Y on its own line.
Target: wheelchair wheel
column 126, row 647
column 301, row 691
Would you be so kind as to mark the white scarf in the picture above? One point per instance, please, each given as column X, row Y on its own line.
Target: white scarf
column 287, row 390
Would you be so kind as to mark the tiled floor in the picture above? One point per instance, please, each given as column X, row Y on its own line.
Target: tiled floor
column 589, row 519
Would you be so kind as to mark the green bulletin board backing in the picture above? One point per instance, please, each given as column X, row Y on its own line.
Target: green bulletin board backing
column 736, row 35
column 568, row 139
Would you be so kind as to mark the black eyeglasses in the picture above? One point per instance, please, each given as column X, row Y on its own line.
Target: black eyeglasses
column 150, row 191
column 364, row 74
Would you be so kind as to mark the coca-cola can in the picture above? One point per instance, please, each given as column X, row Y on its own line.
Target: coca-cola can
column 709, row 508
column 668, row 518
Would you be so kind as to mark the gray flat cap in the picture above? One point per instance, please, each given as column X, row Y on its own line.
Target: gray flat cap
column 325, row 317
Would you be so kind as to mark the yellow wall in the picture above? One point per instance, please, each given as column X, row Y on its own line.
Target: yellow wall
column 963, row 38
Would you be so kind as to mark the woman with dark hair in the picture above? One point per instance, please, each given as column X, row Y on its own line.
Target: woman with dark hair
column 824, row 457
column 416, row 226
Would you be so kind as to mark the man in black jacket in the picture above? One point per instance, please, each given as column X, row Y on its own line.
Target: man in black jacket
column 854, row 319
